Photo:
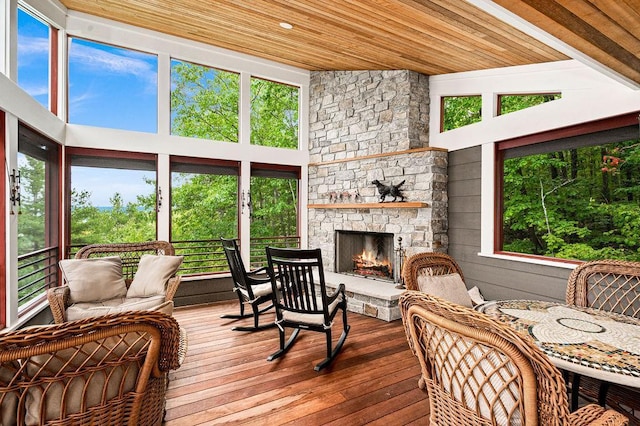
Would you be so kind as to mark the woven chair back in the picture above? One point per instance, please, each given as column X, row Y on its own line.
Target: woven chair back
column 428, row 263
column 609, row 285
column 479, row 371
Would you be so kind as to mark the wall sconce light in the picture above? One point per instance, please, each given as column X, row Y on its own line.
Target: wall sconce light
column 14, row 190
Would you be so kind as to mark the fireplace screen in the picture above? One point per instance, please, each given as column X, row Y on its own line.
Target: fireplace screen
column 368, row 254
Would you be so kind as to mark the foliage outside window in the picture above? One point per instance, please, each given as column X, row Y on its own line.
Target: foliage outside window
column 204, row 207
column 34, row 47
column 512, row 103
column 459, row 111
column 274, row 209
column 112, row 87
column 580, row 203
column 204, row 102
column 113, row 200
column 274, row 114
column 36, row 210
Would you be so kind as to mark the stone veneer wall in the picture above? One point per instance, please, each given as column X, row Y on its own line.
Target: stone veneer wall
column 367, row 125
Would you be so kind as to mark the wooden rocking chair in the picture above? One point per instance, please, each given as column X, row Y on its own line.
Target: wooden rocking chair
column 252, row 288
column 303, row 302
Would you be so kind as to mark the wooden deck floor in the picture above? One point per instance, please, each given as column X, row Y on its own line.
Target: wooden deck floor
column 226, row 379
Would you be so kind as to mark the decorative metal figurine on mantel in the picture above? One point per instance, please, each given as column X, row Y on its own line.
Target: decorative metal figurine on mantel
column 389, row 190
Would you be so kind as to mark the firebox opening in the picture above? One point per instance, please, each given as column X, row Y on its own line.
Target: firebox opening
column 368, row 254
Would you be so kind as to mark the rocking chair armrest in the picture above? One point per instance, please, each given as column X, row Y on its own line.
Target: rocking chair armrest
column 58, row 298
column 257, row 270
column 257, row 280
column 333, row 296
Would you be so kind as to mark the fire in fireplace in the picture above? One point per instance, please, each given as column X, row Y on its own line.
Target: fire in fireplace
column 368, row 254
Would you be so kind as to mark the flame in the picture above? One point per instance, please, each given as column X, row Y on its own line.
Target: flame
column 368, row 260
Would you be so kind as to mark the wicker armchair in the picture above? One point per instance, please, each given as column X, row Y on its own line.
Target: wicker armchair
column 130, row 254
column 614, row 286
column 437, row 263
column 481, row 372
column 110, row 370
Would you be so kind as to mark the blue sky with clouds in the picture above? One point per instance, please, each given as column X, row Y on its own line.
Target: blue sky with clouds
column 109, row 87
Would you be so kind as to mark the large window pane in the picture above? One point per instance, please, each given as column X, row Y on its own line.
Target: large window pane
column 35, row 199
column 274, row 114
column 274, row 211
column 204, row 102
column 33, row 56
column 204, row 207
column 112, row 87
column 574, row 202
column 113, row 200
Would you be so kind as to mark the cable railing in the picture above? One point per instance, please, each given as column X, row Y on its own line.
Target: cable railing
column 203, row 257
column 37, row 271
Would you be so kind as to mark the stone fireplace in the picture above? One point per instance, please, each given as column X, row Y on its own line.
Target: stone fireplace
column 365, row 254
column 365, row 126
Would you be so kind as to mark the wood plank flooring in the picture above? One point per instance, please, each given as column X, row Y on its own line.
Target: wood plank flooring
column 226, row 379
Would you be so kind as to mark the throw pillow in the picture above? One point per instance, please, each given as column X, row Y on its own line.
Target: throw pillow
column 152, row 275
column 449, row 287
column 94, row 279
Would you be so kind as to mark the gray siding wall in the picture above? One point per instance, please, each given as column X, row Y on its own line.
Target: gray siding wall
column 496, row 278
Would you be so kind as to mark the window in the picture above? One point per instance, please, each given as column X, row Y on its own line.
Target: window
column 204, row 207
column 204, row 102
column 458, row 111
column 274, row 208
column 112, row 87
column 34, row 56
column 577, row 197
column 112, row 197
column 274, row 114
column 512, row 103
column 35, row 200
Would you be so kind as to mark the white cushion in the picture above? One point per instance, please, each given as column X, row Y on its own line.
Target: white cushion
column 94, row 279
column 313, row 319
column 89, row 310
column 152, row 275
column 258, row 290
column 449, row 287
column 476, row 296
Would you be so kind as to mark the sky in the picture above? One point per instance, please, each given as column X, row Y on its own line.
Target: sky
column 109, row 87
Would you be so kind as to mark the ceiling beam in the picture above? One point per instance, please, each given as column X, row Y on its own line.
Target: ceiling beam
column 528, row 28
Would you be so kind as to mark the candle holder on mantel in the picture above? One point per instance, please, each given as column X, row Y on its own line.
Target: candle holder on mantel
column 399, row 262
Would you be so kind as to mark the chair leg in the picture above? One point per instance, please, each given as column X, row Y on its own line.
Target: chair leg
column 331, row 354
column 256, row 319
column 284, row 347
column 236, row 316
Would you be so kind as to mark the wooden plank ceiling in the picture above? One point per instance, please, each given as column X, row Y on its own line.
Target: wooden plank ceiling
column 430, row 37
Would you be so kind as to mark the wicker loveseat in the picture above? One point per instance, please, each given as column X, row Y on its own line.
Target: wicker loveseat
column 110, row 370
column 87, row 296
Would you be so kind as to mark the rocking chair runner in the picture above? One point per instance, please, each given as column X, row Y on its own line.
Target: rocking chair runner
column 252, row 287
column 303, row 302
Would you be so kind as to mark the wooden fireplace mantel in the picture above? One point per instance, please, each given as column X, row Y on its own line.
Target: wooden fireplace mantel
column 389, row 205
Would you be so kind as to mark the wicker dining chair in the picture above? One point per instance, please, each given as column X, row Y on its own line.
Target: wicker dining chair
column 109, row 370
column 252, row 287
column 613, row 286
column 432, row 263
column 130, row 254
column 479, row 371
